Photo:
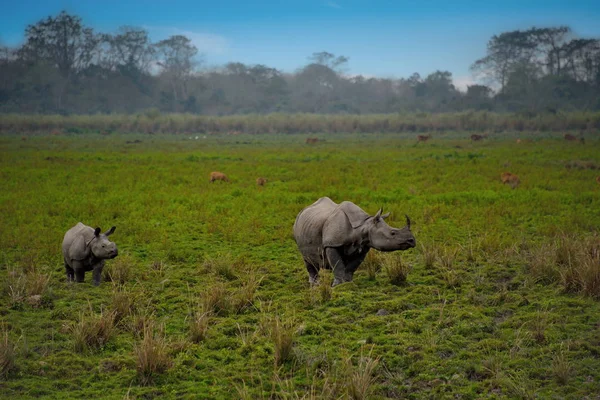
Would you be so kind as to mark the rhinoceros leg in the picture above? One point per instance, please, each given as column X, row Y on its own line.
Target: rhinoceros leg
column 70, row 272
column 79, row 271
column 97, row 274
column 352, row 265
column 336, row 262
column 313, row 273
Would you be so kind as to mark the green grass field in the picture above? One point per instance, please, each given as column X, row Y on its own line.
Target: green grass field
column 209, row 297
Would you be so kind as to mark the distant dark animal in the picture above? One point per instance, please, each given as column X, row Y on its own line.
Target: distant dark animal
column 312, row 140
column 476, row 138
column 23, row 138
column 133, row 141
column 261, row 181
column 423, row 138
column 510, row 179
column 218, row 176
column 582, row 140
column 570, row 138
column 339, row 236
column 85, row 249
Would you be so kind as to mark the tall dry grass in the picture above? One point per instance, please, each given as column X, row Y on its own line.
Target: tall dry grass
column 361, row 377
column 152, row 354
column 283, row 335
column 7, row 353
column 571, row 261
column 93, row 331
column 152, row 123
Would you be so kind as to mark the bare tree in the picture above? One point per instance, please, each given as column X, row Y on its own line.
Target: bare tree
column 62, row 42
column 176, row 58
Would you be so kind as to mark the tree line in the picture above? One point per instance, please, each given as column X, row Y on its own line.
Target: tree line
column 64, row 67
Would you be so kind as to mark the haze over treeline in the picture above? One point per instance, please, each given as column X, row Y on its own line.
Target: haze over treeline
column 66, row 67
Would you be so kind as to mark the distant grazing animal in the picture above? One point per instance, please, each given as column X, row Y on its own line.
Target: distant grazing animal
column 312, row 140
column 218, row 176
column 423, row 138
column 598, row 179
column 476, row 138
column 339, row 236
column 570, row 138
column 518, row 140
column 261, row 181
column 85, row 249
column 510, row 179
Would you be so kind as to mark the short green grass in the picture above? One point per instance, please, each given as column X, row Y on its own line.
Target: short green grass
column 209, row 297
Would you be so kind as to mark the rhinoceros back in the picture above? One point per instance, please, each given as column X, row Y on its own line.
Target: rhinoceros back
column 308, row 228
column 72, row 234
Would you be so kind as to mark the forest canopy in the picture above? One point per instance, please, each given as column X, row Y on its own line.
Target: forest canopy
column 66, row 67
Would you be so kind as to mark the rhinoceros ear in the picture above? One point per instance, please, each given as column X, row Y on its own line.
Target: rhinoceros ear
column 97, row 231
column 110, row 231
column 407, row 221
column 379, row 215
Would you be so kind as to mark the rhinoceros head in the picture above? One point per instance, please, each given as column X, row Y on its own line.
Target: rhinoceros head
column 386, row 238
column 101, row 246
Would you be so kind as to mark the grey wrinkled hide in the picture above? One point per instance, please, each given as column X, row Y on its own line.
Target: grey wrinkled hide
column 339, row 236
column 85, row 249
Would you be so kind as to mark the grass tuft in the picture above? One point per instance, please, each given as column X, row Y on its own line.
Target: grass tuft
column 562, row 369
column 447, row 257
column 216, row 300
column 244, row 297
column 223, row 265
column 396, row 270
column 16, row 288
column 361, row 377
column 430, row 254
column 199, row 325
column 37, row 283
column 122, row 304
column 118, row 271
column 7, row 353
column 542, row 264
column 92, row 331
column 283, row 335
column 323, row 288
column 539, row 324
column 151, row 355
column 372, row 264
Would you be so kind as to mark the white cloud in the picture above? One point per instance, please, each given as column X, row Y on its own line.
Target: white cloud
column 206, row 43
column 333, row 4
column 461, row 82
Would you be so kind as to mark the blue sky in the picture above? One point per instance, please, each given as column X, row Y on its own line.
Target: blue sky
column 381, row 38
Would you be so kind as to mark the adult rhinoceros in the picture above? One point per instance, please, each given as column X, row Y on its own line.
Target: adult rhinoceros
column 339, row 236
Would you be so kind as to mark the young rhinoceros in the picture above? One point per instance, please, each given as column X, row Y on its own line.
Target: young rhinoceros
column 339, row 236
column 85, row 249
